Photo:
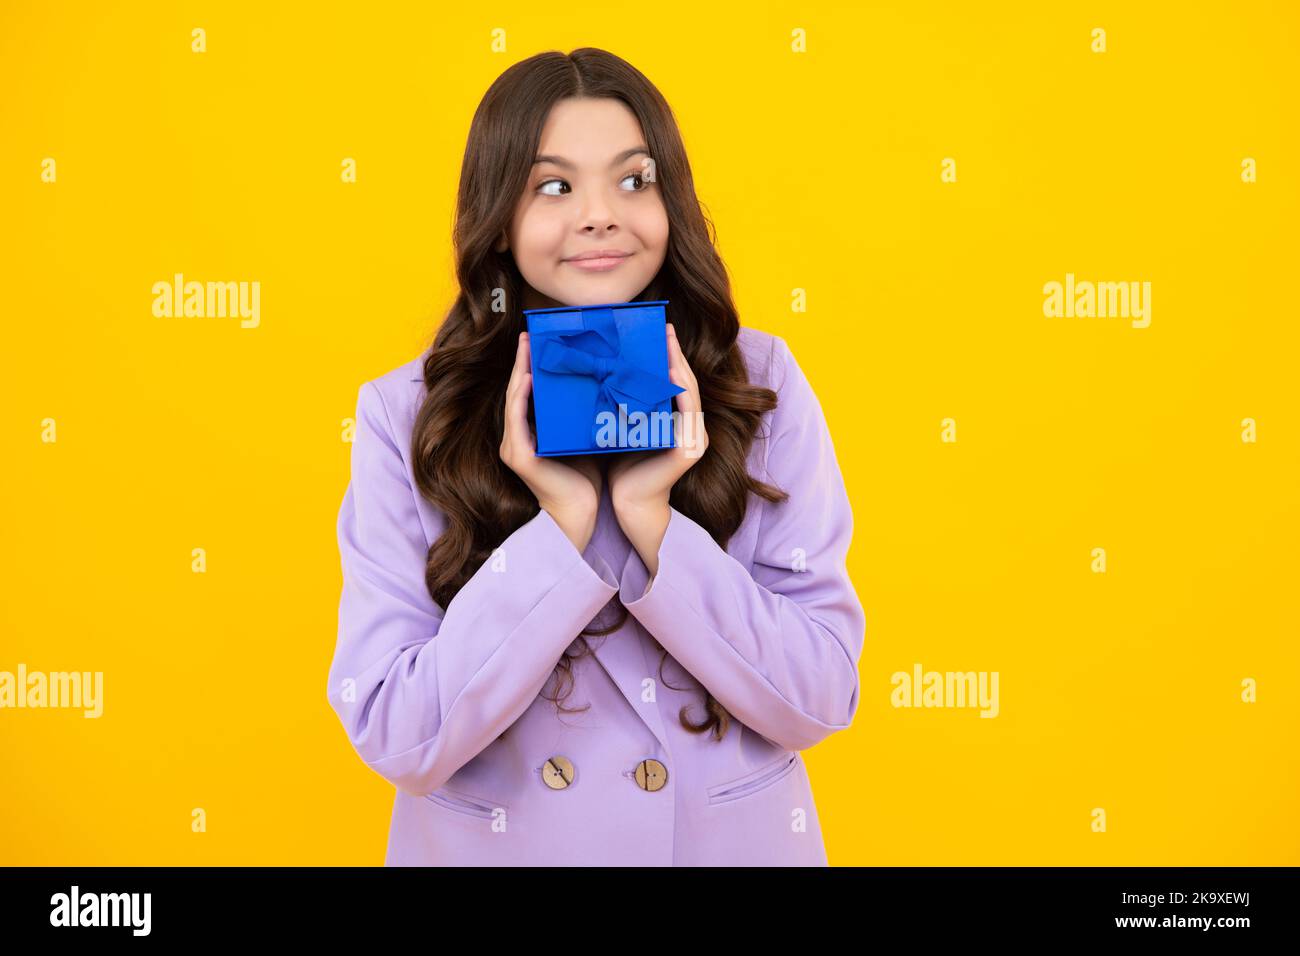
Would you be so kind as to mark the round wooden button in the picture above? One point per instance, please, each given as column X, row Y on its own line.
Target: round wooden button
column 557, row 772
column 651, row 775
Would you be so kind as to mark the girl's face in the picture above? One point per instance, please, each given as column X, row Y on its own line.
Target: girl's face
column 588, row 194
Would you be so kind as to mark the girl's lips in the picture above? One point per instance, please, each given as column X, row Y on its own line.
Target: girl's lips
column 598, row 265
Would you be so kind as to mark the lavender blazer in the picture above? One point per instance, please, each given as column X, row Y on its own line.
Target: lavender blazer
column 771, row 626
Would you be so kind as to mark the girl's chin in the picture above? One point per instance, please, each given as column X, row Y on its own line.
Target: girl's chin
column 595, row 293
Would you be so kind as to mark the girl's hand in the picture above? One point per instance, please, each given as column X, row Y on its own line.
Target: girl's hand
column 640, row 481
column 569, row 493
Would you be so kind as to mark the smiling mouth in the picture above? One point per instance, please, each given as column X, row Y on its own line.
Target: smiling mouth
column 600, row 264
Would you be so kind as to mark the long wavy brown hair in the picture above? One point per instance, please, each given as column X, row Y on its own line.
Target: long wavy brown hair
column 455, row 447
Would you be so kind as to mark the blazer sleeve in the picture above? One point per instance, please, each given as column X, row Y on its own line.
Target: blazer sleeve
column 421, row 689
column 779, row 648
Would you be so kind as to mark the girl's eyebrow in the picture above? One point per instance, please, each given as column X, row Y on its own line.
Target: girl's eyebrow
column 621, row 157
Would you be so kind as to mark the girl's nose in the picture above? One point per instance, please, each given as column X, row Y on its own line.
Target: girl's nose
column 598, row 214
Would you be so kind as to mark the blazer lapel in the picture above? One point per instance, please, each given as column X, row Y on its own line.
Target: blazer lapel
column 623, row 656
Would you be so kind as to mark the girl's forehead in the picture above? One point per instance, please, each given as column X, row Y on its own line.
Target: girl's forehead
column 589, row 124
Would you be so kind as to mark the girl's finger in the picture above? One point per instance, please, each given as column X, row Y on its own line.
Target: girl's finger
column 520, row 365
column 675, row 357
column 522, row 354
column 682, row 368
column 523, row 434
column 517, row 393
column 690, row 373
column 688, row 402
column 675, row 350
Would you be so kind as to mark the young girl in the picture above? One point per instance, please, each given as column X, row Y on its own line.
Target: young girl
column 711, row 576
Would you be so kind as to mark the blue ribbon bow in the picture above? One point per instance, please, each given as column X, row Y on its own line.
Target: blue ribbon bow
column 596, row 352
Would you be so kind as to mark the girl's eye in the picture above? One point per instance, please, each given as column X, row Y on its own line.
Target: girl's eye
column 558, row 187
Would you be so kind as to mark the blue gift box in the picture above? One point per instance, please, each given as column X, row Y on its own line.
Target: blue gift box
column 600, row 378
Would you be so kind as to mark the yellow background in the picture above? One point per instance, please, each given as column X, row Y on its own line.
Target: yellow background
column 821, row 171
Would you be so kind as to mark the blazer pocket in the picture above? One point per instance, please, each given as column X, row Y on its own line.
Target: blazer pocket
column 755, row 781
column 463, row 803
